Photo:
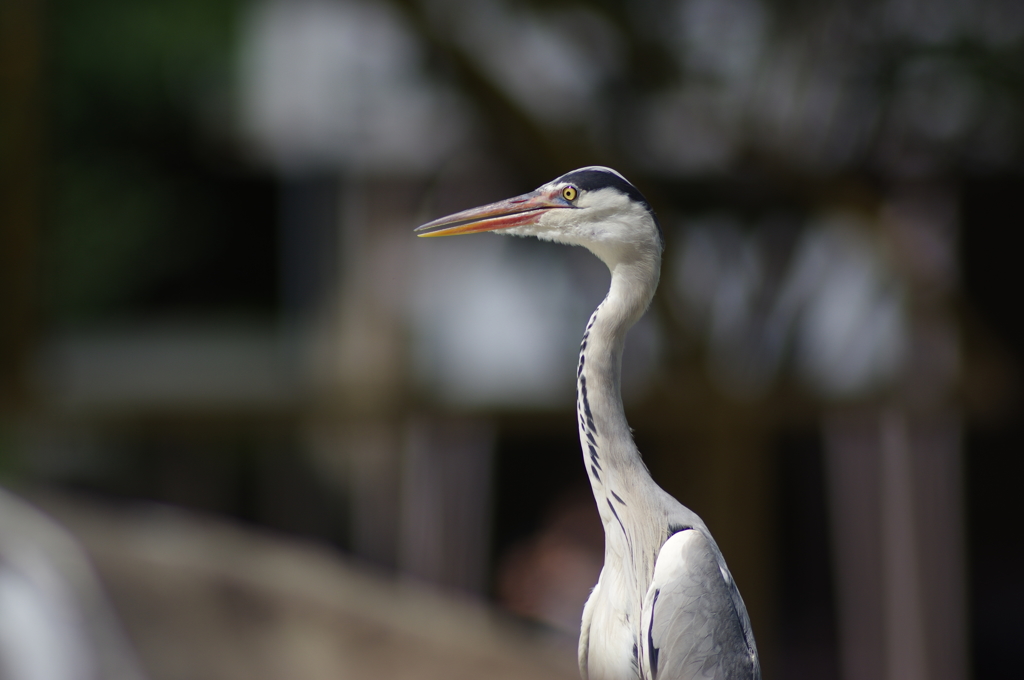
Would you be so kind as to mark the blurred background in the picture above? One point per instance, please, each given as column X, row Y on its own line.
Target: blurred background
column 254, row 428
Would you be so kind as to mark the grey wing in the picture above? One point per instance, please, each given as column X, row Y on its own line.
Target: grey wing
column 584, row 644
column 694, row 624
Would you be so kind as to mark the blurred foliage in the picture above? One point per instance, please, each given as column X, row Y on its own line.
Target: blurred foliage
column 139, row 52
column 132, row 86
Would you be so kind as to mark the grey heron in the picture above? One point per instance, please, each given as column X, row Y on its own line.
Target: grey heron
column 665, row 605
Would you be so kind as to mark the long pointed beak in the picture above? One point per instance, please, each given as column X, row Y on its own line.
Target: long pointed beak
column 512, row 212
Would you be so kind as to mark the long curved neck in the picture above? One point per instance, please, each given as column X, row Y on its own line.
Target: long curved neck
column 613, row 463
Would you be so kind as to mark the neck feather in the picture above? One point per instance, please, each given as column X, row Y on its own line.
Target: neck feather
column 613, row 463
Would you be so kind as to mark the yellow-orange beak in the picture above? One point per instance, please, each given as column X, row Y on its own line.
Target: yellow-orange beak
column 512, row 212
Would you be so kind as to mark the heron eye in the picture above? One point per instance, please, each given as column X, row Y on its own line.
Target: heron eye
column 569, row 193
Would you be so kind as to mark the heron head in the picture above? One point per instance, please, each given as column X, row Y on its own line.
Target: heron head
column 594, row 207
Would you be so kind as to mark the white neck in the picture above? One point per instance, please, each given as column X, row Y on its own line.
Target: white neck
column 613, row 463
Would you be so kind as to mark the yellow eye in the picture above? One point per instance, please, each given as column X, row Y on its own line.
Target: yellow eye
column 569, row 193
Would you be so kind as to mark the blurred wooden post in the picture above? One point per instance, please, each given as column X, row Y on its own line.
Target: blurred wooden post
column 418, row 486
column 898, row 539
column 853, row 469
column 21, row 166
column 357, row 368
column 446, row 501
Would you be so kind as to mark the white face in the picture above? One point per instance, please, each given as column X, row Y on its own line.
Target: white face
column 605, row 221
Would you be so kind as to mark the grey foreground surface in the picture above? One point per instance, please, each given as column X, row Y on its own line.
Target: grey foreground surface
column 202, row 599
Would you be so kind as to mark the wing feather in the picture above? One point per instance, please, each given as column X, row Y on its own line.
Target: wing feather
column 694, row 622
column 584, row 644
